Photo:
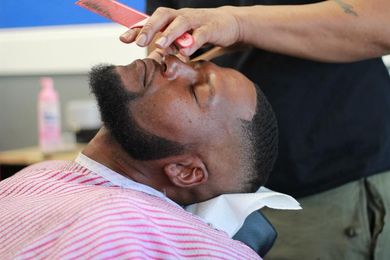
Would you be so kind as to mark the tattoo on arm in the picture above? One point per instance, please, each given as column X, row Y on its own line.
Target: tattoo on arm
column 348, row 9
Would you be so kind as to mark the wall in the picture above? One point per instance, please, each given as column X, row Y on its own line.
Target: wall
column 18, row 124
column 28, row 13
column 63, row 49
column 51, row 38
column 57, row 36
column 65, row 52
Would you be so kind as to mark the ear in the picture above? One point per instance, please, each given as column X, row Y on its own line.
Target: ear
column 186, row 172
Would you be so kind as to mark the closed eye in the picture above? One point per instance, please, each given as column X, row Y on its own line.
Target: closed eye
column 193, row 93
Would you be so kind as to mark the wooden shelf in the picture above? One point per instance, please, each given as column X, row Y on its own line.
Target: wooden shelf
column 31, row 155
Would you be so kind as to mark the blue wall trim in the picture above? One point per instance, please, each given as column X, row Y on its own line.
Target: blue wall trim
column 30, row 13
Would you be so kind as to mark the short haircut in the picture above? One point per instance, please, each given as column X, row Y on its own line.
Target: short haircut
column 260, row 142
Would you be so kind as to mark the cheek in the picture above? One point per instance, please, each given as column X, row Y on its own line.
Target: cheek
column 166, row 116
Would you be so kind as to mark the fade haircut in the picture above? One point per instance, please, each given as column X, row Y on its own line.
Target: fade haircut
column 259, row 143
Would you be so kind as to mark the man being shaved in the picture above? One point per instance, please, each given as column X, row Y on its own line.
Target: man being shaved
column 174, row 134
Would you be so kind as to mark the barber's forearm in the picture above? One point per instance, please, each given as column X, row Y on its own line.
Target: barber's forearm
column 335, row 30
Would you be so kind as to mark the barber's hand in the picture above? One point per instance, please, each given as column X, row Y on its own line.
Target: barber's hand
column 159, row 54
column 217, row 26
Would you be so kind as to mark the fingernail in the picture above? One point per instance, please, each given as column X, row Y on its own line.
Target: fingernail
column 161, row 42
column 141, row 39
column 127, row 35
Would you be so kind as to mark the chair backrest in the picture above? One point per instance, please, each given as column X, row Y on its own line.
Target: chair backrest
column 257, row 232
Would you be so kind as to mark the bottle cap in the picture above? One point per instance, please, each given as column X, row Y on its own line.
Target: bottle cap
column 46, row 82
column 47, row 89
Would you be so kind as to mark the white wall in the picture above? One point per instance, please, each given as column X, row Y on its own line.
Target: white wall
column 63, row 49
column 66, row 49
column 65, row 53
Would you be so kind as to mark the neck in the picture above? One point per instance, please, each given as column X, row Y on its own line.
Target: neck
column 105, row 150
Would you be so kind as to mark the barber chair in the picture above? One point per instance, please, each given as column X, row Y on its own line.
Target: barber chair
column 257, row 232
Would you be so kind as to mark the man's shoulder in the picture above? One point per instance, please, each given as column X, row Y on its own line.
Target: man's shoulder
column 96, row 217
column 133, row 201
column 159, row 224
column 47, row 165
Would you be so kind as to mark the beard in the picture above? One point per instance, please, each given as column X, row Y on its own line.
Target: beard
column 114, row 104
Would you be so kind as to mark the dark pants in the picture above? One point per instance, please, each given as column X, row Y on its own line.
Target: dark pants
column 349, row 222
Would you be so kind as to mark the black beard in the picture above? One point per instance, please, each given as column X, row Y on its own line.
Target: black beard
column 114, row 102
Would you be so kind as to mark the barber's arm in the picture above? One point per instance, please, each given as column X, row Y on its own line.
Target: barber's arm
column 334, row 30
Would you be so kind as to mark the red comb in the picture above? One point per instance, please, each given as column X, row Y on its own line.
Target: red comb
column 126, row 16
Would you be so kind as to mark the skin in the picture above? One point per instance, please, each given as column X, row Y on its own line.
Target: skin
column 196, row 104
column 331, row 31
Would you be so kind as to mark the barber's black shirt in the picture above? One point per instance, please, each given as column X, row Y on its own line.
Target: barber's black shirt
column 334, row 119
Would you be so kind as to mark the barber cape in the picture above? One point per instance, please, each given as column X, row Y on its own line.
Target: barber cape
column 63, row 210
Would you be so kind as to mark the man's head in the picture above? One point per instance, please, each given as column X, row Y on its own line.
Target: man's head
column 209, row 129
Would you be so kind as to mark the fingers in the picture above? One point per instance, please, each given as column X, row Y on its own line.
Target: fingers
column 158, row 54
column 176, row 28
column 163, row 52
column 215, row 26
column 130, row 35
column 159, row 20
column 200, row 36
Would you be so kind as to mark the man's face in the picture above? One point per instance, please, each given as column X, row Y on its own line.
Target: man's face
column 187, row 102
column 196, row 105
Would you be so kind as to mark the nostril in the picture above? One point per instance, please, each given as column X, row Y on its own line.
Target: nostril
column 164, row 67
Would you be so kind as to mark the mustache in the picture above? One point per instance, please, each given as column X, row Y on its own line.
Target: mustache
column 114, row 105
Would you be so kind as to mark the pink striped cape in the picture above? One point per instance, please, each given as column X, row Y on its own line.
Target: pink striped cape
column 61, row 210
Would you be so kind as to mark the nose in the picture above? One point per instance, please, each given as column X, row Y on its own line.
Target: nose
column 177, row 69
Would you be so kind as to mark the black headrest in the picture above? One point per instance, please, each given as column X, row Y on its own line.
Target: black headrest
column 257, row 232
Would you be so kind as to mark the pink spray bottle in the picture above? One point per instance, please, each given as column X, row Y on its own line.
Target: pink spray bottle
column 49, row 118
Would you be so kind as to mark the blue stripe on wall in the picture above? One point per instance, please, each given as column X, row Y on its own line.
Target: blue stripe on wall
column 29, row 13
